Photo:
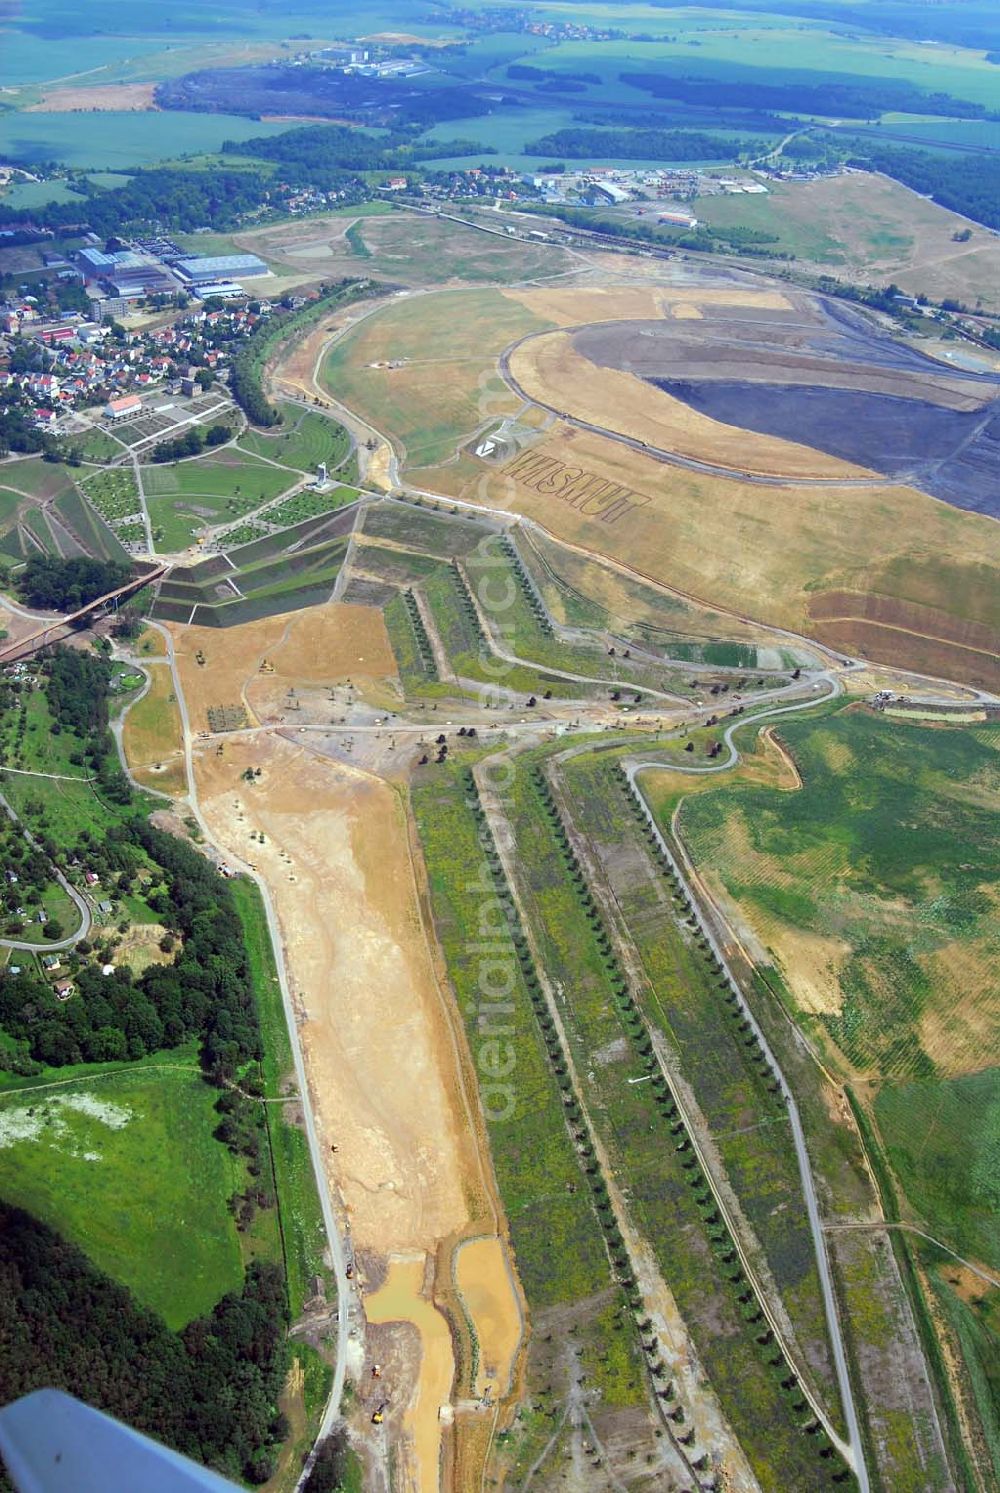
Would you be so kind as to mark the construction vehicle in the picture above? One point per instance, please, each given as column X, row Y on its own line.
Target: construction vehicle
column 379, row 1414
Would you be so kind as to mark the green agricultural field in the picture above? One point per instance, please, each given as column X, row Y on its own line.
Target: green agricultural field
column 304, row 439
column 870, row 885
column 118, row 141
column 127, row 1167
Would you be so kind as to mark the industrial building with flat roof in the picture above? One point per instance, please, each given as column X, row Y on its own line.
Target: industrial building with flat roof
column 226, row 290
column 215, row 267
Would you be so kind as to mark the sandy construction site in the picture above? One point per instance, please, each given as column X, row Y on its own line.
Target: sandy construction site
column 383, row 1048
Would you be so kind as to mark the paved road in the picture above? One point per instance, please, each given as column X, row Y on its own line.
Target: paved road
column 857, row 1456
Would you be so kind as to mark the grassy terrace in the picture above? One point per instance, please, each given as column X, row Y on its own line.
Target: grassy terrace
column 645, row 1157
column 555, row 1234
column 302, row 441
column 682, row 999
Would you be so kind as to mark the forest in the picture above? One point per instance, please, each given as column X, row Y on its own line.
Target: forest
column 832, row 95
column 205, row 992
column 154, row 200
column 56, row 585
column 321, row 92
column 328, row 155
column 76, row 688
column 192, row 443
column 580, row 144
column 208, row 1391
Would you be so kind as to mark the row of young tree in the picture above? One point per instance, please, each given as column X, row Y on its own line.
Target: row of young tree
column 246, row 378
column 192, row 443
column 209, row 1391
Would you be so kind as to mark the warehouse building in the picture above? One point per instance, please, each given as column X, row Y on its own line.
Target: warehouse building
column 216, row 267
column 225, row 290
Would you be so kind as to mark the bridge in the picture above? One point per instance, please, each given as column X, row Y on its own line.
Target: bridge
column 39, row 637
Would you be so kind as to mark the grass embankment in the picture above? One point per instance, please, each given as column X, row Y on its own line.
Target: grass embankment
column 899, row 1415
column 188, row 496
column 301, row 1219
column 152, row 737
column 651, row 1154
column 302, row 441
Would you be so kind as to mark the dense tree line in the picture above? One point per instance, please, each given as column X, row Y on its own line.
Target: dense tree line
column 967, row 184
column 330, row 1467
column 731, row 240
column 330, row 156
column 209, row 1391
column 57, row 585
column 832, row 95
column 191, row 443
column 973, row 23
column 153, row 200
column 76, row 690
column 246, row 378
column 320, row 92
column 581, row 143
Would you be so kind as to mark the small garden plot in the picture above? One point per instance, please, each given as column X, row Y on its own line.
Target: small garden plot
column 114, row 493
column 307, row 505
column 304, row 439
column 98, row 446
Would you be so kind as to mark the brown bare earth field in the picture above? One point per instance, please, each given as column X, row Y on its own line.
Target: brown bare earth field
column 106, row 97
column 320, row 645
column 405, row 248
column 613, row 302
column 551, row 370
column 386, row 1060
column 924, row 639
column 484, row 1281
column 380, row 1052
column 749, row 549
